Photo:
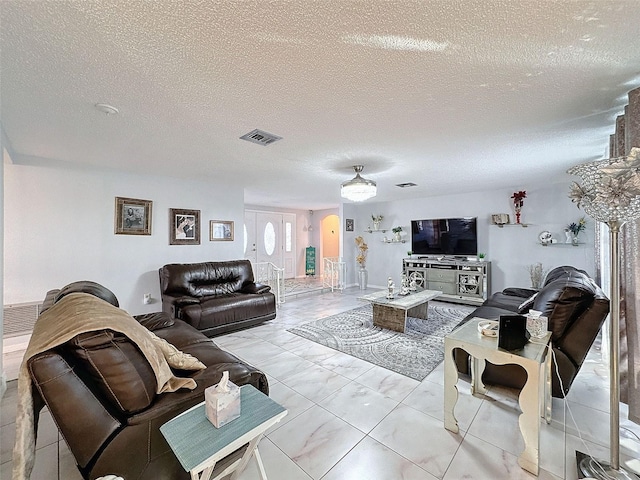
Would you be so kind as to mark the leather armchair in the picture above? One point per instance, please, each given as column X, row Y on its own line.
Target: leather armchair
column 215, row 297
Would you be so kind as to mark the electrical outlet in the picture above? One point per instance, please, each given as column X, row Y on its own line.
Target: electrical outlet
column 147, row 298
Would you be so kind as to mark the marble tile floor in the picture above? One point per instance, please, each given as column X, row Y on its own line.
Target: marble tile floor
column 349, row 419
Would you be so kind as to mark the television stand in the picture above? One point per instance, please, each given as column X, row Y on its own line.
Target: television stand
column 460, row 281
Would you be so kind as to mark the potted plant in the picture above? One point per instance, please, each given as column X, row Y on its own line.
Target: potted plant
column 396, row 231
column 575, row 228
column 376, row 221
column 481, row 256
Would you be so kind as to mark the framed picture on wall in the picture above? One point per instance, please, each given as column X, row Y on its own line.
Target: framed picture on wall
column 220, row 231
column 348, row 223
column 133, row 216
column 184, row 227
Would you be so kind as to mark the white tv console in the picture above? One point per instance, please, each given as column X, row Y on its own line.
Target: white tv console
column 460, row 281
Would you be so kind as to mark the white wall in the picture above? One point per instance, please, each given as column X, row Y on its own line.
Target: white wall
column 510, row 249
column 59, row 228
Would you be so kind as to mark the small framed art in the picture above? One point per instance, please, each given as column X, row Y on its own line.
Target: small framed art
column 348, row 224
column 221, row 231
column 184, row 227
column 133, row 216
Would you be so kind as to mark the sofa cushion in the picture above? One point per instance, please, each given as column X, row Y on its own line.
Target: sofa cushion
column 226, row 309
column 563, row 300
column 206, row 278
column 117, row 367
column 502, row 300
column 86, row 286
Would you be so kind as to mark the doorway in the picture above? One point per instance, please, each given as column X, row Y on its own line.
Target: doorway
column 269, row 237
column 330, row 237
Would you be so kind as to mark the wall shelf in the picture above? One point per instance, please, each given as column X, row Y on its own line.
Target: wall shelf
column 523, row 225
column 368, row 230
column 558, row 244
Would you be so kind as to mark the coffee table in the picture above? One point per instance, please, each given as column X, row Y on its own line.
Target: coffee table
column 392, row 313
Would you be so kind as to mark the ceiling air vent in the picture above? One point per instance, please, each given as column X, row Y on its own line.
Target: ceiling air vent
column 406, row 185
column 260, row 137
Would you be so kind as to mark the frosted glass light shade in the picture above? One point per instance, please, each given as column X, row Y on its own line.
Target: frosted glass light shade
column 358, row 189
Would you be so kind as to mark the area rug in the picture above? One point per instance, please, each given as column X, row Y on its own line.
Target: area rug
column 413, row 354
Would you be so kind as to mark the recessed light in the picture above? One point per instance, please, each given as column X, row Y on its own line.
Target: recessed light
column 106, row 108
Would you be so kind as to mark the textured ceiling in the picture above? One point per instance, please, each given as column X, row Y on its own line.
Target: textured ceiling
column 451, row 95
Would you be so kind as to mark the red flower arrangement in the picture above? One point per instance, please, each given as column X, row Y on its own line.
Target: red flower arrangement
column 518, row 201
column 518, row 198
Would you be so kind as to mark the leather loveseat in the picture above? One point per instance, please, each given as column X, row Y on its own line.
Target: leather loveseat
column 576, row 308
column 215, row 297
column 100, row 391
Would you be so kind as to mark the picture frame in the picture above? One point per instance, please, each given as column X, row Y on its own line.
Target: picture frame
column 348, row 224
column 221, row 231
column 132, row 216
column 184, row 226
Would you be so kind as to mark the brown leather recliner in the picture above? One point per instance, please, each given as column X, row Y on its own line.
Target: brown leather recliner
column 215, row 297
column 100, row 391
column 576, row 308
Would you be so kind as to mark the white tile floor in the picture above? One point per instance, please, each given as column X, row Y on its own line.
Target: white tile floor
column 349, row 419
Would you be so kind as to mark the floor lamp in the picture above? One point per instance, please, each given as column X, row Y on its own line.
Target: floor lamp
column 610, row 193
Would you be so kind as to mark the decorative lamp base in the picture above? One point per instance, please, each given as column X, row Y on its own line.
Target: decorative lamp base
column 601, row 470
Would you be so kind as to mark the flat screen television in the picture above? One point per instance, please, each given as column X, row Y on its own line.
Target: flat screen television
column 444, row 236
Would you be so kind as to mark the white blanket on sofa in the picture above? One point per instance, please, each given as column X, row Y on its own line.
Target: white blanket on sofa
column 78, row 313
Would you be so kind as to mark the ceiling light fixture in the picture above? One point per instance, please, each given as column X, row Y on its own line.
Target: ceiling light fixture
column 358, row 189
column 108, row 109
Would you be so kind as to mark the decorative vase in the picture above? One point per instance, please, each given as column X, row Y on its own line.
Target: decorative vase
column 568, row 236
column 376, row 226
column 362, row 278
column 574, row 240
column 397, row 237
column 517, row 215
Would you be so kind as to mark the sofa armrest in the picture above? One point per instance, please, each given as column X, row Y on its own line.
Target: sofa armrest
column 519, row 292
column 258, row 288
column 154, row 321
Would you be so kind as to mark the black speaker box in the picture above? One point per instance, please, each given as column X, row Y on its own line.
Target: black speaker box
column 513, row 334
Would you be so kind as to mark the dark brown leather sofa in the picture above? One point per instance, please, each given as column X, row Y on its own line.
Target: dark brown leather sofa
column 100, row 391
column 576, row 308
column 215, row 297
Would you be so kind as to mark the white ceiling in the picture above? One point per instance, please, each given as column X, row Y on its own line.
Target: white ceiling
column 452, row 95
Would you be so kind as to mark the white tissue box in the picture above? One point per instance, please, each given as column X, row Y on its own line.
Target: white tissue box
column 222, row 407
column 537, row 325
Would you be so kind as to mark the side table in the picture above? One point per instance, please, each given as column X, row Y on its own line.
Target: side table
column 199, row 446
column 535, row 397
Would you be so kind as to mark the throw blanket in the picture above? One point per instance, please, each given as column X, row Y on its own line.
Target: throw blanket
column 78, row 313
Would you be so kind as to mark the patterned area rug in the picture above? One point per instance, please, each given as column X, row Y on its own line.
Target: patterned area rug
column 413, row 354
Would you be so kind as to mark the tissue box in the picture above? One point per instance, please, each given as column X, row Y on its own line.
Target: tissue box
column 537, row 325
column 222, row 407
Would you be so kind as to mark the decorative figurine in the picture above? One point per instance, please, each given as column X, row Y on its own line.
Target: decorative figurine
column 390, row 288
column 404, row 285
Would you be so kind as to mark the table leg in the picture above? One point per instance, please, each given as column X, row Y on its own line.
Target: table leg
column 263, row 474
column 477, row 369
column 547, row 391
column 204, row 474
column 252, row 449
column 450, row 388
column 530, row 420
